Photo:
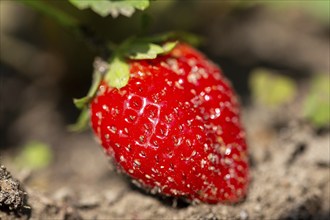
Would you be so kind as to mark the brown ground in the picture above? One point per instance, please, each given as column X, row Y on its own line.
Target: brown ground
column 289, row 179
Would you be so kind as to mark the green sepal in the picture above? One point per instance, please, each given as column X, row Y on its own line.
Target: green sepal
column 118, row 73
column 82, row 102
column 169, row 46
column 187, row 37
column 82, row 122
column 143, row 50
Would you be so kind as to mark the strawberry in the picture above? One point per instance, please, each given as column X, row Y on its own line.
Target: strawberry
column 174, row 128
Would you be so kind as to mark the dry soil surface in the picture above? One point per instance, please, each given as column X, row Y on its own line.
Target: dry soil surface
column 289, row 178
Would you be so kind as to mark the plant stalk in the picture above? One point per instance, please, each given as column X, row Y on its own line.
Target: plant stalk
column 72, row 24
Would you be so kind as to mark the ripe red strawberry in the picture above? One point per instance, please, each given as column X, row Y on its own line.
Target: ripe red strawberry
column 175, row 128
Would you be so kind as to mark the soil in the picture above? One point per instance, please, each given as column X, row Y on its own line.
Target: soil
column 12, row 197
column 289, row 179
column 289, row 158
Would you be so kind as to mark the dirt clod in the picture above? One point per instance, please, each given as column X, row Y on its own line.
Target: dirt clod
column 12, row 197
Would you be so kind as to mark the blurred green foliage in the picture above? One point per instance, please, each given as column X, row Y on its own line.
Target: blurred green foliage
column 319, row 9
column 116, row 29
column 267, row 87
column 271, row 89
column 316, row 106
column 34, row 155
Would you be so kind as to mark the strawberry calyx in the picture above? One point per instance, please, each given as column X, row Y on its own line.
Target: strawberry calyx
column 116, row 72
column 100, row 68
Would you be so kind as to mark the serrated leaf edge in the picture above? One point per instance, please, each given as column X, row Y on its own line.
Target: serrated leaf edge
column 163, row 49
column 115, row 10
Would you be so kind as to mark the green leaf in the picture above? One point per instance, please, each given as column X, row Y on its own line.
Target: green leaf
column 271, row 89
column 141, row 50
column 118, row 73
column 113, row 7
column 316, row 106
column 34, row 155
column 175, row 35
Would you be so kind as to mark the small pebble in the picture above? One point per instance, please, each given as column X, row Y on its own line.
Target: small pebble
column 112, row 196
column 63, row 194
column 243, row 215
column 88, row 201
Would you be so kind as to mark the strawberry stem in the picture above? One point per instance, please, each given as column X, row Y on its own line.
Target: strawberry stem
column 72, row 24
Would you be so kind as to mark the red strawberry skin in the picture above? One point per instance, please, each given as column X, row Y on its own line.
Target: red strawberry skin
column 175, row 128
